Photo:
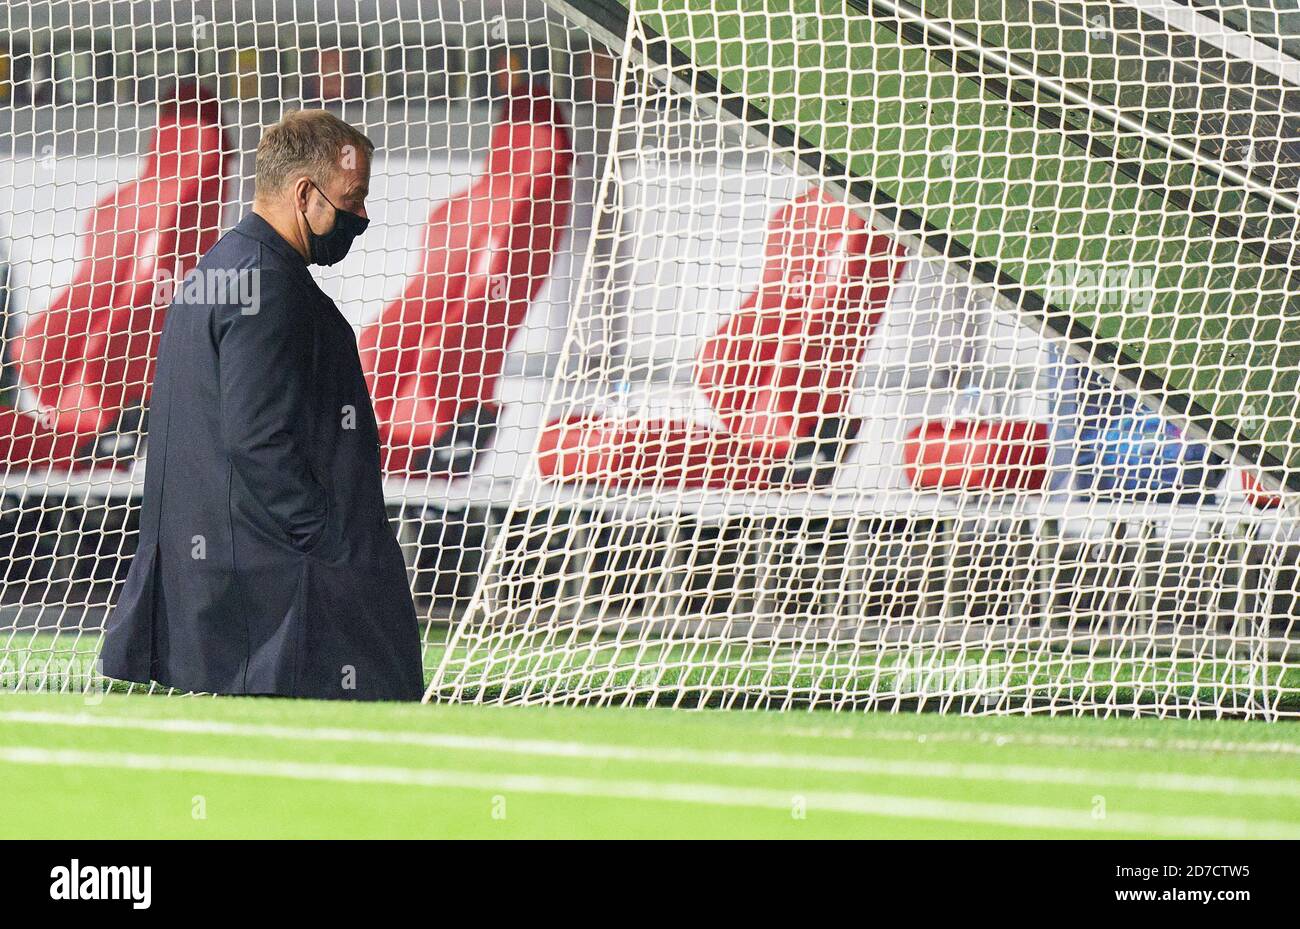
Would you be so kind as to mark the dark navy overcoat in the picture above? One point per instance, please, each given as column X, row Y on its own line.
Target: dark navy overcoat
column 266, row 562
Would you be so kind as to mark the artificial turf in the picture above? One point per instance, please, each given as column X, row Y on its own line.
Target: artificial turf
column 144, row 766
column 751, row 675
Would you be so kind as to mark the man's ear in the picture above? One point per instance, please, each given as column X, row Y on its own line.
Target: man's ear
column 301, row 193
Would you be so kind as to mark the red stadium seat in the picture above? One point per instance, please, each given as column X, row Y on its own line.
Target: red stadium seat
column 779, row 373
column 665, row 453
column 88, row 357
column 785, row 361
column 977, row 455
column 434, row 355
column 1257, row 495
column 24, row 438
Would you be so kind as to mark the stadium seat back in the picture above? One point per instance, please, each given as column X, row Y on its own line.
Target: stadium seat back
column 776, row 373
column 787, row 358
column 439, row 348
column 91, row 352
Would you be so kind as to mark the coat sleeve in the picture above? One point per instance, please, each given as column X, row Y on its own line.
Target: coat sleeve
column 265, row 361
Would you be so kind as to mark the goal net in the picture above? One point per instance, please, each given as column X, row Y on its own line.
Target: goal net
column 966, row 445
column 866, row 354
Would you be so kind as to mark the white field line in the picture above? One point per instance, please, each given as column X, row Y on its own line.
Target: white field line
column 862, row 804
column 585, row 751
column 1041, row 740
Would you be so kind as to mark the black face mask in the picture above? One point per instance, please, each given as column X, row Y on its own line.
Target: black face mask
column 332, row 247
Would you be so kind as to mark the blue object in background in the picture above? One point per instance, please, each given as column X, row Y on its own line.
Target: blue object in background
column 1120, row 447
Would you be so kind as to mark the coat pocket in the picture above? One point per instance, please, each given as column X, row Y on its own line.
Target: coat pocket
column 315, row 544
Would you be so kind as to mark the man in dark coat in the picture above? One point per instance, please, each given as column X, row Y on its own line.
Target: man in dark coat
column 266, row 562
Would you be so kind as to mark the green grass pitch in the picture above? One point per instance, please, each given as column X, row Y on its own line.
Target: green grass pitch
column 142, row 766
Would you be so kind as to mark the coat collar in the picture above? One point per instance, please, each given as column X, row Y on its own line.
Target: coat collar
column 258, row 229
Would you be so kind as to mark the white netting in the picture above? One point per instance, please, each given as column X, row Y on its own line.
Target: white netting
column 706, row 434
column 740, row 503
column 127, row 136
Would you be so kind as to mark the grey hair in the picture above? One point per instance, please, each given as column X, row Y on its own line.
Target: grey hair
column 311, row 142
